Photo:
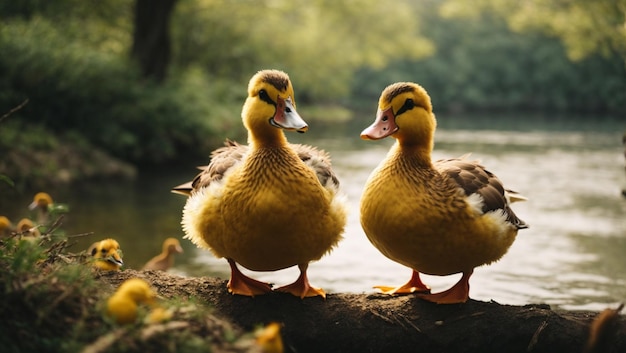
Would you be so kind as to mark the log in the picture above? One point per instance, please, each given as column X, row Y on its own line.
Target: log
column 382, row 323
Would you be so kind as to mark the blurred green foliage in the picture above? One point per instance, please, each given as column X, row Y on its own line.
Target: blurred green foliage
column 480, row 64
column 585, row 27
column 70, row 58
column 76, row 87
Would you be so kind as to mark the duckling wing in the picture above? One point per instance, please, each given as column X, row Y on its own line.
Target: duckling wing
column 222, row 159
column 473, row 178
column 319, row 162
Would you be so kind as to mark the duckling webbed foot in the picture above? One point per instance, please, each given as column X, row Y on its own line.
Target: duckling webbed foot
column 244, row 285
column 301, row 287
column 459, row 293
column 415, row 284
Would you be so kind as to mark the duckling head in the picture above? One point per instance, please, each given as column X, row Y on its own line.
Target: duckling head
column 107, row 255
column 41, row 201
column 172, row 246
column 404, row 113
column 27, row 228
column 271, row 107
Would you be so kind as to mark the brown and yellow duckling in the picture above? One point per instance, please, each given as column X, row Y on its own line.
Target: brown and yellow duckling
column 165, row 259
column 269, row 205
column 107, row 255
column 438, row 218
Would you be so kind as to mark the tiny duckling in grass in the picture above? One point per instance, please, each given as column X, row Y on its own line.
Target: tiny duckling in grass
column 123, row 304
column 27, row 229
column 41, row 204
column 107, row 255
column 46, row 209
column 165, row 259
column 6, row 227
column 269, row 340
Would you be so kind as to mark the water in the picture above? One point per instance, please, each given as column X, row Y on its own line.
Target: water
column 573, row 256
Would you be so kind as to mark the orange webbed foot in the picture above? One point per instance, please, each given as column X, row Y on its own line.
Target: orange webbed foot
column 244, row 285
column 415, row 284
column 301, row 287
column 459, row 293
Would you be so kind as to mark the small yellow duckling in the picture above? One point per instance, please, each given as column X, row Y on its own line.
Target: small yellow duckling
column 262, row 205
column 122, row 305
column 41, row 204
column 437, row 218
column 165, row 259
column 269, row 340
column 27, row 229
column 6, row 227
column 107, row 255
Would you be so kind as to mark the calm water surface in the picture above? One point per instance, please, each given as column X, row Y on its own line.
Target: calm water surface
column 573, row 255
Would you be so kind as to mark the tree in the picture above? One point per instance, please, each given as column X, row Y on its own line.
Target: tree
column 151, row 42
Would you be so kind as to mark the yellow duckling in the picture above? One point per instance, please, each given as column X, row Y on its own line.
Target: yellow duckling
column 261, row 205
column 165, row 259
column 107, row 255
column 27, row 229
column 41, row 203
column 122, row 305
column 269, row 340
column 6, row 227
column 438, row 218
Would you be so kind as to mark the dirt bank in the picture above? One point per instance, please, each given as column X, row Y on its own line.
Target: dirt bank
column 381, row 323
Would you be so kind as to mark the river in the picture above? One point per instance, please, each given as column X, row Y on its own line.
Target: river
column 573, row 256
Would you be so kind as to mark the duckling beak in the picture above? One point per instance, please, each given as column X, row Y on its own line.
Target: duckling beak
column 114, row 260
column 383, row 126
column 286, row 117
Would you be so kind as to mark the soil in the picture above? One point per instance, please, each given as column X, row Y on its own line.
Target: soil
column 383, row 323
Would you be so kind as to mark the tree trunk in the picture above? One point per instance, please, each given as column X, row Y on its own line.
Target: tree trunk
column 383, row 323
column 151, row 42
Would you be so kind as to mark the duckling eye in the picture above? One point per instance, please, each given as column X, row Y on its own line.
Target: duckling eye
column 265, row 97
column 408, row 105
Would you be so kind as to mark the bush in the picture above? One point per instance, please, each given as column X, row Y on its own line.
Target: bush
column 98, row 93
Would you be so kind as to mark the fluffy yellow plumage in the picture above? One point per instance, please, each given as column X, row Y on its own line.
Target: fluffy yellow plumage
column 437, row 218
column 6, row 227
column 41, row 204
column 122, row 305
column 107, row 255
column 27, row 229
column 269, row 205
column 269, row 340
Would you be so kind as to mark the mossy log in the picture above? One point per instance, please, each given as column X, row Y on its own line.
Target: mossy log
column 382, row 323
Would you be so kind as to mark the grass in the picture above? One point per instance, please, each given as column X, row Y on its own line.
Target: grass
column 52, row 300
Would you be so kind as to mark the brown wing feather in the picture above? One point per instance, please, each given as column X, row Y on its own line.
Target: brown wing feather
column 473, row 178
column 319, row 161
column 224, row 158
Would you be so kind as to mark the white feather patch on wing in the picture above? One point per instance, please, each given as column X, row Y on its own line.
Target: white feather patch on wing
column 476, row 202
column 499, row 219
